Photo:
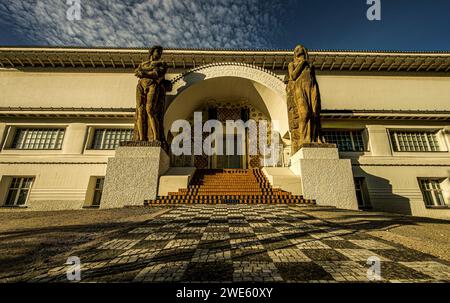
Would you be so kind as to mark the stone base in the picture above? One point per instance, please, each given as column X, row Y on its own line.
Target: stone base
column 174, row 179
column 132, row 176
column 284, row 178
column 325, row 178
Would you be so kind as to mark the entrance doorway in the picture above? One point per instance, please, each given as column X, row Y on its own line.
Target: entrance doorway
column 232, row 158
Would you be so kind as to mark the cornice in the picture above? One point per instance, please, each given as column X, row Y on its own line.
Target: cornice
column 328, row 114
column 62, row 58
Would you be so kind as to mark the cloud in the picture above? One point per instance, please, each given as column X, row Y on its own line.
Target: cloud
column 141, row 23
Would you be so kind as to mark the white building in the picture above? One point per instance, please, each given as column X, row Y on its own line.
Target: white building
column 63, row 111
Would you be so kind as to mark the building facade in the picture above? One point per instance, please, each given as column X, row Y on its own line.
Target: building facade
column 63, row 112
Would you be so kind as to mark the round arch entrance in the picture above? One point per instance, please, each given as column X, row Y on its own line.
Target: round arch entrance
column 230, row 83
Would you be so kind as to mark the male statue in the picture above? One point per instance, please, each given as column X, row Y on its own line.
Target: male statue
column 303, row 98
column 150, row 98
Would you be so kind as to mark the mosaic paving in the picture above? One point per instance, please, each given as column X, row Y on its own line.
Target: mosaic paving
column 248, row 243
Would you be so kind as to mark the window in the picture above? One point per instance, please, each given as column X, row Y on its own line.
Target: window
column 38, row 138
column 18, row 191
column 432, row 192
column 415, row 141
column 346, row 140
column 98, row 191
column 361, row 193
column 109, row 139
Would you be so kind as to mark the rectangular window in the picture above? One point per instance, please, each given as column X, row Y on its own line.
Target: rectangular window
column 415, row 141
column 109, row 139
column 98, row 191
column 432, row 192
column 18, row 191
column 361, row 193
column 346, row 140
column 38, row 138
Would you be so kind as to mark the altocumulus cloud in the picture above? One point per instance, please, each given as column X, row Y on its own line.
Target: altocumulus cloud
column 140, row 23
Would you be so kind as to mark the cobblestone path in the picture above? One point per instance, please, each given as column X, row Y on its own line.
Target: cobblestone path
column 245, row 243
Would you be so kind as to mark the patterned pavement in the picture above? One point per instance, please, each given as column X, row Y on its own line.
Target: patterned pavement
column 247, row 243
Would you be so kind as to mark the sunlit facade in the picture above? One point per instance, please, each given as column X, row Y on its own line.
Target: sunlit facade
column 63, row 111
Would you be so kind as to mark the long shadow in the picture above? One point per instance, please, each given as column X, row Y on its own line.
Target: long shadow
column 63, row 229
column 378, row 192
column 374, row 221
column 172, row 254
column 181, row 256
column 50, row 244
column 364, row 223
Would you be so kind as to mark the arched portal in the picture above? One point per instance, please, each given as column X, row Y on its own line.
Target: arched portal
column 237, row 86
column 233, row 81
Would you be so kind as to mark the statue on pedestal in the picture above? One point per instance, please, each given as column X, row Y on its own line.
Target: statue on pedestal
column 303, row 99
column 150, row 98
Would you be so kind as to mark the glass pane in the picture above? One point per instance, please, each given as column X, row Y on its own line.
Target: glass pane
column 359, row 198
column 10, row 200
column 432, row 192
column 27, row 183
column 425, row 184
column 111, row 138
column 440, row 198
column 422, row 141
column 99, row 183
column 22, row 197
column 97, row 198
column 38, row 138
column 15, row 183
column 346, row 141
column 428, row 198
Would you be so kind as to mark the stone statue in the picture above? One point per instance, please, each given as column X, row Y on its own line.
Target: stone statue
column 150, row 98
column 303, row 99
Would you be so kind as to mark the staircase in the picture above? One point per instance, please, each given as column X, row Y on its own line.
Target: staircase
column 233, row 186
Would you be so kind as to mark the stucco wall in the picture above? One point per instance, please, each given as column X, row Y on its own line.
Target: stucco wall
column 61, row 176
column 394, row 92
column 117, row 89
column 391, row 177
column 62, row 89
column 56, row 186
column 396, row 188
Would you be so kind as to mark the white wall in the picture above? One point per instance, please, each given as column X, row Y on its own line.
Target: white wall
column 55, row 186
column 61, row 176
column 115, row 89
column 392, row 177
column 68, row 182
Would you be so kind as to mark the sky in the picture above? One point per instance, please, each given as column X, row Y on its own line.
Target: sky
column 405, row 25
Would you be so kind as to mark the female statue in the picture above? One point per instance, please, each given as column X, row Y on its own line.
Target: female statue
column 303, row 98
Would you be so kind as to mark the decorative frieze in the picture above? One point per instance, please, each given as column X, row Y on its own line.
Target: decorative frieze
column 229, row 69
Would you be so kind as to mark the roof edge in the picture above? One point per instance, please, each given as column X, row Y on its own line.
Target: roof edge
column 214, row 50
column 131, row 109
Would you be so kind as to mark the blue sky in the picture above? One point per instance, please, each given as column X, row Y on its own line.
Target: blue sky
column 420, row 25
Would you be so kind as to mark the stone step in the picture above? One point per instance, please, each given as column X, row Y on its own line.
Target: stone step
column 230, row 186
column 303, row 202
column 216, row 197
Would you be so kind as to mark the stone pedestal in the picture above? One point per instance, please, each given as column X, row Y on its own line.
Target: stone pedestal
column 132, row 176
column 325, row 178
